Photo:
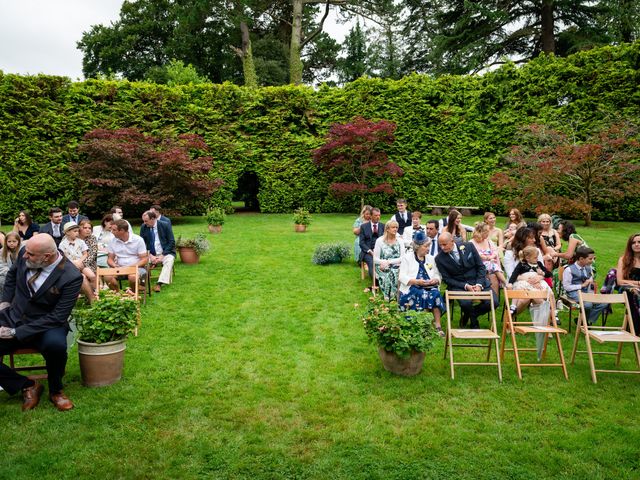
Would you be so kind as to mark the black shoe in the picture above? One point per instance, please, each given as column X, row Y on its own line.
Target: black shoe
column 474, row 323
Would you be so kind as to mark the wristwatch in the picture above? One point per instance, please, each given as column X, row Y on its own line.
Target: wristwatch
column 12, row 331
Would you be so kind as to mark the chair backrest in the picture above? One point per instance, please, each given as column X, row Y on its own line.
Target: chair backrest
column 530, row 295
column 608, row 298
column 560, row 275
column 117, row 271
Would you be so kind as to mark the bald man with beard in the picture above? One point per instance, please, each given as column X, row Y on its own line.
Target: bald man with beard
column 40, row 291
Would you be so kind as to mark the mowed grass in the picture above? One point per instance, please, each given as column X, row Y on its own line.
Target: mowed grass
column 254, row 364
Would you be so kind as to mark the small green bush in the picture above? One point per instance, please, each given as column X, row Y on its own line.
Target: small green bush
column 331, row 253
column 301, row 216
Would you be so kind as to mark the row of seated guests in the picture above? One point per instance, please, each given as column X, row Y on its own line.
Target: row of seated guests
column 531, row 252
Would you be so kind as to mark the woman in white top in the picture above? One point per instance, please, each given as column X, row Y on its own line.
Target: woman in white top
column 420, row 280
column 387, row 254
column 103, row 236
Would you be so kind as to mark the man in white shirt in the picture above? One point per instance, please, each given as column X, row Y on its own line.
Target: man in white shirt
column 432, row 233
column 159, row 240
column 125, row 250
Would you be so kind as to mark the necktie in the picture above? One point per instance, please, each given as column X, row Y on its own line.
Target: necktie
column 375, row 229
column 32, row 280
column 56, row 230
column 433, row 247
column 152, row 247
column 455, row 256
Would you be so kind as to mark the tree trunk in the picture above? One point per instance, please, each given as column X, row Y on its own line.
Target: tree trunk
column 295, row 62
column 547, row 34
column 248, row 67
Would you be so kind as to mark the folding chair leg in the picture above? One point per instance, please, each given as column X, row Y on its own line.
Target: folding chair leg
column 561, row 353
column 575, row 344
column 516, row 353
column 498, row 361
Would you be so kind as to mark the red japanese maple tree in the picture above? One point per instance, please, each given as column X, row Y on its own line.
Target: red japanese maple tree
column 551, row 171
column 128, row 168
column 355, row 151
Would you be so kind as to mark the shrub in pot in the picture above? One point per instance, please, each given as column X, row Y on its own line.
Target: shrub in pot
column 402, row 337
column 215, row 219
column 103, row 327
column 301, row 219
column 191, row 249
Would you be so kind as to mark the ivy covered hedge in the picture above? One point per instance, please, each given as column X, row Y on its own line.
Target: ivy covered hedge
column 452, row 130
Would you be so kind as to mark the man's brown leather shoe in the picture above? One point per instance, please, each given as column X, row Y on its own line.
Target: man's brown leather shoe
column 61, row 401
column 31, row 396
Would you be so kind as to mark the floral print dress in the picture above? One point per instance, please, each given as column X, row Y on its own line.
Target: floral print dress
column 388, row 279
column 422, row 298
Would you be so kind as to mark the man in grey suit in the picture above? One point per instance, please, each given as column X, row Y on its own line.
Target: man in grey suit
column 40, row 291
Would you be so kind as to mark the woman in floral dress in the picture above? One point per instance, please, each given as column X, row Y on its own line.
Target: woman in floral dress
column 420, row 279
column 387, row 255
column 365, row 216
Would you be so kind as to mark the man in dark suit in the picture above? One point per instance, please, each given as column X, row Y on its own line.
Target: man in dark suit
column 159, row 239
column 54, row 226
column 369, row 233
column 73, row 215
column 158, row 211
column 462, row 269
column 40, row 291
column 432, row 232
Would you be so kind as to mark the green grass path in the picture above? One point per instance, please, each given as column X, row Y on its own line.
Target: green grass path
column 254, row 365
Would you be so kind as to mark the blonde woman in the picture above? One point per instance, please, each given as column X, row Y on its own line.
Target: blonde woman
column 488, row 252
column 495, row 234
column 387, row 255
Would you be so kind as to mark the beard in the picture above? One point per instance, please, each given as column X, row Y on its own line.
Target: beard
column 34, row 265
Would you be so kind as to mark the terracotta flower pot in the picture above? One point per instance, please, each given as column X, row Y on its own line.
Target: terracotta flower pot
column 406, row 367
column 300, row 228
column 215, row 228
column 101, row 364
column 188, row 255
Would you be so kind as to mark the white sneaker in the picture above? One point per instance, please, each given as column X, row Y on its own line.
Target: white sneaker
column 559, row 305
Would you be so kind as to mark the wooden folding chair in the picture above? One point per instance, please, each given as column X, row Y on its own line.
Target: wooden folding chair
column 620, row 335
column 119, row 271
column 491, row 334
column 26, row 368
column 513, row 327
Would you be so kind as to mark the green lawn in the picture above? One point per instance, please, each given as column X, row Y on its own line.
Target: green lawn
column 254, row 364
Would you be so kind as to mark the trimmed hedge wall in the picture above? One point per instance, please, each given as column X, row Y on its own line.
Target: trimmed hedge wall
column 452, row 130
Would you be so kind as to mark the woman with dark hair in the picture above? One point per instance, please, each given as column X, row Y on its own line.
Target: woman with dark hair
column 24, row 225
column 628, row 277
column 515, row 218
column 454, row 226
column 523, row 237
column 567, row 232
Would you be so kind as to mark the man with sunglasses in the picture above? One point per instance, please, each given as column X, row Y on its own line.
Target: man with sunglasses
column 40, row 291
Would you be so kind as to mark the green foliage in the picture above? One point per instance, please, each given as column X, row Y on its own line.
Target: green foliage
column 199, row 243
column 215, row 216
column 301, row 216
column 397, row 331
column 112, row 317
column 452, row 131
column 331, row 253
column 175, row 73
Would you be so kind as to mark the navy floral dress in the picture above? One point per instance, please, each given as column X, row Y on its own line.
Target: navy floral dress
column 422, row 298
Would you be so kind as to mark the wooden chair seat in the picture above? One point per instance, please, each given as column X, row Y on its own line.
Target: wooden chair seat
column 480, row 334
column 620, row 335
column 549, row 328
column 27, row 368
column 489, row 335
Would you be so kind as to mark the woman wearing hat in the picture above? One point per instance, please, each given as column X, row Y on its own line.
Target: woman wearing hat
column 76, row 250
column 420, row 279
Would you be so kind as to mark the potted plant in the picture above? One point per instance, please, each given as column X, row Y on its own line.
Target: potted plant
column 190, row 249
column 103, row 327
column 301, row 218
column 215, row 219
column 402, row 337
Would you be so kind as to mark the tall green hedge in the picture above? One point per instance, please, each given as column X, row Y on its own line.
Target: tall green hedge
column 452, row 130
